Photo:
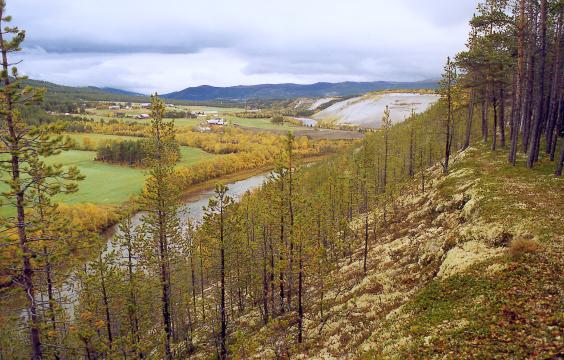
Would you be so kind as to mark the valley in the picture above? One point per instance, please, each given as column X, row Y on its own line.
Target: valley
column 283, row 204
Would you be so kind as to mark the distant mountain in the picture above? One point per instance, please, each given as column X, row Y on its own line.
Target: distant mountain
column 85, row 93
column 120, row 91
column 288, row 91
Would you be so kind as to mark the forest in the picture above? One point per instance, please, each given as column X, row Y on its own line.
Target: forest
column 260, row 276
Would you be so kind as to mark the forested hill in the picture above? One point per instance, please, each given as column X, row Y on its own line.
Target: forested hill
column 287, row 91
column 85, row 93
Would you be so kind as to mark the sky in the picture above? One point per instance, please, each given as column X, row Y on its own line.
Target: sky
column 168, row 45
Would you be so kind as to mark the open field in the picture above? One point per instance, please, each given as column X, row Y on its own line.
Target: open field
column 179, row 123
column 312, row 133
column 95, row 139
column 107, row 183
column 263, row 123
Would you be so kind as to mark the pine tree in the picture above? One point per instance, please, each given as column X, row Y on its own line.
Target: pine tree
column 447, row 88
column 24, row 145
column 159, row 201
column 216, row 212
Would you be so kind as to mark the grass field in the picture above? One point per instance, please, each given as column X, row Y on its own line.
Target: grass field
column 97, row 138
column 179, row 123
column 106, row 183
column 190, row 156
column 262, row 124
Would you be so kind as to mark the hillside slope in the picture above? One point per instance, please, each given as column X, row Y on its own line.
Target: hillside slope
column 469, row 268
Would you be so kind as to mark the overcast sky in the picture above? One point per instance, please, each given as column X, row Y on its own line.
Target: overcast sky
column 168, row 45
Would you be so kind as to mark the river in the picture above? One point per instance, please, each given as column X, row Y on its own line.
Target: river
column 192, row 207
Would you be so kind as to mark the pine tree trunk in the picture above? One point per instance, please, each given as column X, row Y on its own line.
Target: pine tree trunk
column 449, row 119
column 281, row 255
column 165, row 296
column 264, row 278
column 494, row 133
column 202, row 280
column 502, row 116
column 50, row 295
column 193, row 280
column 540, row 113
column 411, row 171
column 291, row 212
column 529, row 95
column 133, row 319
column 469, row 120
column 365, row 242
column 300, row 293
column 223, row 334
column 557, row 80
column 26, row 254
column 515, row 121
column 560, row 161
column 485, row 117
column 272, row 275
column 106, row 305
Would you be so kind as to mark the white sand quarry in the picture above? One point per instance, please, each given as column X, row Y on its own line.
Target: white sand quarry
column 367, row 111
column 320, row 102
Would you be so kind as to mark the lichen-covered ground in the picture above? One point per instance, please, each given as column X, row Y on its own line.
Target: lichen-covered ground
column 470, row 268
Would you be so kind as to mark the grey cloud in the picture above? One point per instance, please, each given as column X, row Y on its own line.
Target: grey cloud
column 144, row 45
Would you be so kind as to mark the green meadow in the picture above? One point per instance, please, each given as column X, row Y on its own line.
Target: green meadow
column 107, row 183
column 262, row 123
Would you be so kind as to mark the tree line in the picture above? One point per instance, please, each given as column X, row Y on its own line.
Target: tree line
column 512, row 71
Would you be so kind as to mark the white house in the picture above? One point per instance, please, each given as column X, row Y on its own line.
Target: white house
column 216, row 121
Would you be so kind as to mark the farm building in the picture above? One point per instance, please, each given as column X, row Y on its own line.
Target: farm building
column 216, row 121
